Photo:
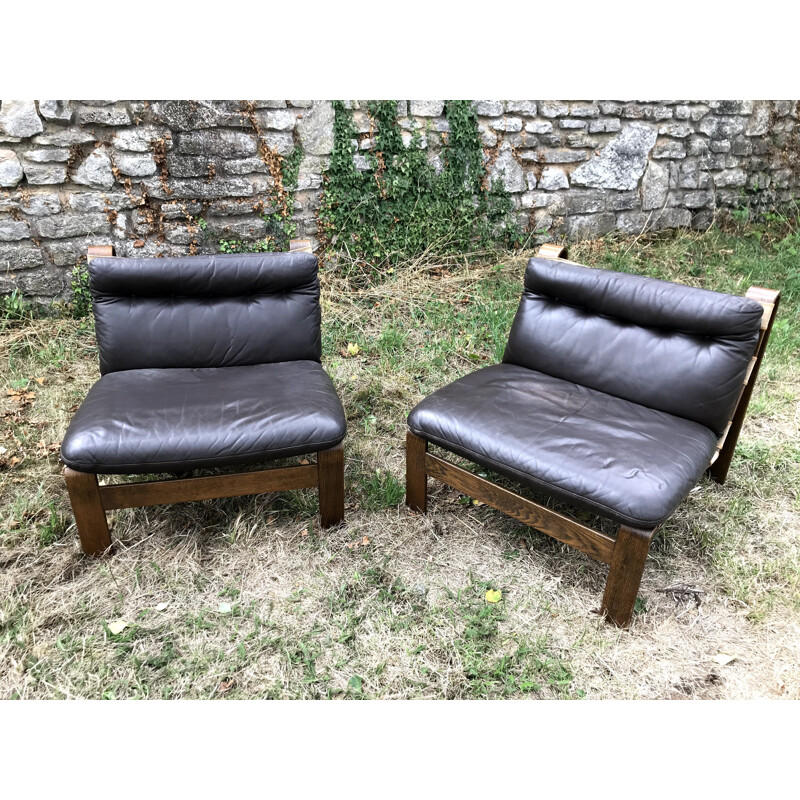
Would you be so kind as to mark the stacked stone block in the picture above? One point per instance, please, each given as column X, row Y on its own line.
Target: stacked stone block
column 174, row 177
column 153, row 178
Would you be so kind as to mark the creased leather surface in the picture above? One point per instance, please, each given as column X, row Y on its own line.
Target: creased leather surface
column 626, row 462
column 165, row 420
column 205, row 311
column 669, row 347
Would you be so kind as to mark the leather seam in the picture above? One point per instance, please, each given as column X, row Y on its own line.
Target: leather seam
column 109, row 297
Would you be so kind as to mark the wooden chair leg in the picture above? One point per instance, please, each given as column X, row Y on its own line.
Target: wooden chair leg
column 625, row 575
column 416, row 477
column 90, row 516
column 330, row 467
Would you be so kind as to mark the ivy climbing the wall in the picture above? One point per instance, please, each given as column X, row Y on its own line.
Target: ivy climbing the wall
column 284, row 171
column 404, row 204
column 281, row 228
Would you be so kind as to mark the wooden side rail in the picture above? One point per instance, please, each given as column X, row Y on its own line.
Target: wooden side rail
column 183, row 490
column 587, row 540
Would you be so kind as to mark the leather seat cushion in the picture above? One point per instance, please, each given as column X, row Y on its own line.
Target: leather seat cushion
column 167, row 420
column 624, row 461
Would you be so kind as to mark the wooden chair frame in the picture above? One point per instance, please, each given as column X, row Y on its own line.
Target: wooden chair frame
column 90, row 500
column 626, row 553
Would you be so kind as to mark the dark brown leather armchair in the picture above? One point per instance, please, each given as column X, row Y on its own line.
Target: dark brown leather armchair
column 206, row 361
column 616, row 392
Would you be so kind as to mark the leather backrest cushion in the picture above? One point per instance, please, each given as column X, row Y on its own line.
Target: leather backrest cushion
column 205, row 311
column 672, row 348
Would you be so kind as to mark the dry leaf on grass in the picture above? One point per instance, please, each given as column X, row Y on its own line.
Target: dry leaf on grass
column 21, row 397
column 117, row 626
column 44, row 449
column 352, row 349
column 355, row 543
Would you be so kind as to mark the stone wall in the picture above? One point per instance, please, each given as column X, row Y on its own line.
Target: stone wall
column 175, row 177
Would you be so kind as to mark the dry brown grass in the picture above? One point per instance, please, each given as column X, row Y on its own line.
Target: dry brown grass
column 390, row 604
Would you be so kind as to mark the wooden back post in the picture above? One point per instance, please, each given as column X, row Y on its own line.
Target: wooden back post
column 99, row 251
column 720, row 464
